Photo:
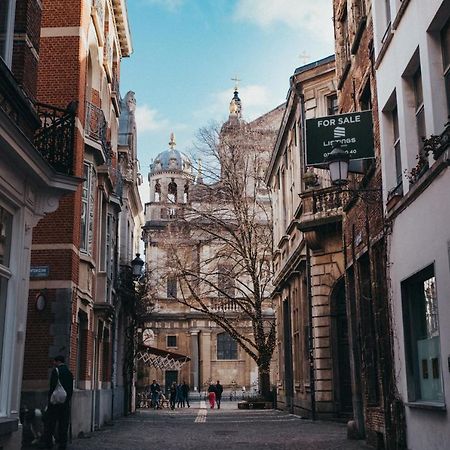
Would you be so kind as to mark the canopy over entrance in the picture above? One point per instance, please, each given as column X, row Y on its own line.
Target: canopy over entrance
column 161, row 359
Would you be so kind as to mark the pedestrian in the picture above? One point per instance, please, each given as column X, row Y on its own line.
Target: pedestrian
column 173, row 395
column 219, row 390
column 212, row 395
column 155, row 390
column 185, row 392
column 58, row 408
column 180, row 398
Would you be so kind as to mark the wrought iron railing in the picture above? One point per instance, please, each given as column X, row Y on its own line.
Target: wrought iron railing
column 95, row 124
column 55, row 138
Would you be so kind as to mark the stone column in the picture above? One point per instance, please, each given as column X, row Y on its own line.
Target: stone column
column 205, row 349
column 195, row 361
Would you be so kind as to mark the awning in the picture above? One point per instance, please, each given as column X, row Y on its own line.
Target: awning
column 161, row 359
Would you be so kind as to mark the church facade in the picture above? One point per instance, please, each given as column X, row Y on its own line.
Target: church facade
column 175, row 186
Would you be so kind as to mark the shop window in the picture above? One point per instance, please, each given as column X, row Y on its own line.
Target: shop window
column 422, row 339
column 226, row 347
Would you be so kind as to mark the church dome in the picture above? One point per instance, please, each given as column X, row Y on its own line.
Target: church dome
column 171, row 160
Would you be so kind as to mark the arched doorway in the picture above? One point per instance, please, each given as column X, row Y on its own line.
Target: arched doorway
column 341, row 351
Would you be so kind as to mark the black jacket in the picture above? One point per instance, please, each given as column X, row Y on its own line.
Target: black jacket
column 65, row 378
column 219, row 389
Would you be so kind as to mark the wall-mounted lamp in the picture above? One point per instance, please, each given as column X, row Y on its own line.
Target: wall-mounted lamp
column 338, row 161
column 137, row 265
column 41, row 302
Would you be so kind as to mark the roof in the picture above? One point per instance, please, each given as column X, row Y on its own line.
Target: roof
column 314, row 64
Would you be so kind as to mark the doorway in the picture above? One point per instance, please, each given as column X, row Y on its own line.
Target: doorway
column 170, row 377
column 341, row 351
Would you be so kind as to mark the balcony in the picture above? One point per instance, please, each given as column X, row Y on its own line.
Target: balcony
column 95, row 127
column 322, row 207
column 54, row 140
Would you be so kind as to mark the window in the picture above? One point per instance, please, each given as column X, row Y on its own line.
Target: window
column 7, row 13
column 171, row 341
column 171, row 287
column 172, row 191
column 419, row 109
column 86, row 209
column 186, row 192
column 387, row 10
column 6, row 220
column 157, row 198
column 226, row 347
column 396, row 146
column 365, row 101
column 332, row 105
column 445, row 43
column 225, row 281
column 345, row 39
column 422, row 342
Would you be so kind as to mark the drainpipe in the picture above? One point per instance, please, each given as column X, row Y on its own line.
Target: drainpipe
column 312, row 383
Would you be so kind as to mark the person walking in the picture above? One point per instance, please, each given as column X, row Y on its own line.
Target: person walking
column 212, row 395
column 185, row 392
column 155, row 390
column 180, row 397
column 173, row 395
column 219, row 390
column 58, row 409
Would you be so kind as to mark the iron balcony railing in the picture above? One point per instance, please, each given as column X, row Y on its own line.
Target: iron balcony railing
column 95, row 125
column 55, row 138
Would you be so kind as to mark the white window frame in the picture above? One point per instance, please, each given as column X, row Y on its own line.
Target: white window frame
column 8, row 347
column 9, row 40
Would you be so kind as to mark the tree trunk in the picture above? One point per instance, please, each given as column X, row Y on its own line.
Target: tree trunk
column 264, row 382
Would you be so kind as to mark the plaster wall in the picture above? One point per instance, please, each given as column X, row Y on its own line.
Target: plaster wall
column 416, row 242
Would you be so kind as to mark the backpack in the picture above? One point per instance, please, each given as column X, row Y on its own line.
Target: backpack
column 59, row 394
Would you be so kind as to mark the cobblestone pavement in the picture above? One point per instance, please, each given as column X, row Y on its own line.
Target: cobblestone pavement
column 201, row 428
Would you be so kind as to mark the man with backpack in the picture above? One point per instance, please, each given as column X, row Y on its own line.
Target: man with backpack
column 58, row 409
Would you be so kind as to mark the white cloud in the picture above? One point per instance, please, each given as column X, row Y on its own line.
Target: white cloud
column 171, row 5
column 148, row 119
column 315, row 16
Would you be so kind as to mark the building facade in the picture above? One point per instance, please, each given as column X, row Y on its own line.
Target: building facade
column 175, row 327
column 378, row 412
column 314, row 371
column 82, row 44
column 412, row 71
column 32, row 181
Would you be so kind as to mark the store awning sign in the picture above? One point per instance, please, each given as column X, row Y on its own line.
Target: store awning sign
column 353, row 132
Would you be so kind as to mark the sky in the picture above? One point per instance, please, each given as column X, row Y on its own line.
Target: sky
column 186, row 52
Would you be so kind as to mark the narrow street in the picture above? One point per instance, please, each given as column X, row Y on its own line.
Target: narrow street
column 229, row 428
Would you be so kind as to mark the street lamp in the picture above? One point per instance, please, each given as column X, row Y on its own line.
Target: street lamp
column 137, row 265
column 338, row 161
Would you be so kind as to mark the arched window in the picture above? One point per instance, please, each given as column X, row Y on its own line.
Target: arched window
column 226, row 347
column 157, row 192
column 172, row 191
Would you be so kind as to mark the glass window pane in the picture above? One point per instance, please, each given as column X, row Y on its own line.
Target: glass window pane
column 3, row 292
column 5, row 236
column 445, row 42
column 4, row 9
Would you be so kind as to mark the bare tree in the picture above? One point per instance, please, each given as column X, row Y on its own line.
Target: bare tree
column 219, row 246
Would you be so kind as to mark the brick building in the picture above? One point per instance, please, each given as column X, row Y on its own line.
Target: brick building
column 36, row 148
column 376, row 409
column 81, row 47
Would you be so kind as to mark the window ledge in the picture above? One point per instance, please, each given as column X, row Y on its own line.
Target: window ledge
column 435, row 406
column 8, row 425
